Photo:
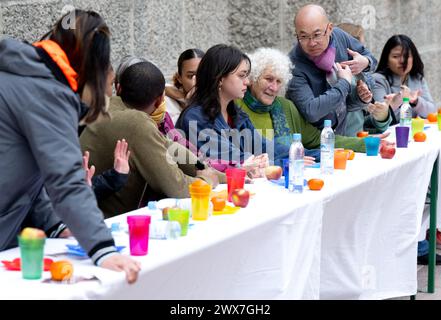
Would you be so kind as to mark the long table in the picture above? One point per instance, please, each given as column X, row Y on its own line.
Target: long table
column 355, row 239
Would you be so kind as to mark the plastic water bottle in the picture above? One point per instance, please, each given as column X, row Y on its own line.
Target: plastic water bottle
column 327, row 142
column 164, row 230
column 296, row 164
column 406, row 114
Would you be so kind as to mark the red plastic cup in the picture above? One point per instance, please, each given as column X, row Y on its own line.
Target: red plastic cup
column 235, row 180
column 139, row 234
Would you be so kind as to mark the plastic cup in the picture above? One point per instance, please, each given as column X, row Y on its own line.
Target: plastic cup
column 139, row 234
column 417, row 125
column 235, row 180
column 31, row 252
column 439, row 121
column 402, row 136
column 286, row 172
column 340, row 159
column 200, row 205
column 181, row 216
column 372, row 146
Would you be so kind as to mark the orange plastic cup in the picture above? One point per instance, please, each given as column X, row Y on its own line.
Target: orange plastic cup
column 340, row 159
column 200, row 197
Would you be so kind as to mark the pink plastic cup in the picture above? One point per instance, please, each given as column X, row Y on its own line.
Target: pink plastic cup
column 139, row 234
column 235, row 180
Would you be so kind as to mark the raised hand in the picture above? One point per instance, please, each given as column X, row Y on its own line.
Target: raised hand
column 363, row 92
column 121, row 157
column 358, row 64
column 89, row 171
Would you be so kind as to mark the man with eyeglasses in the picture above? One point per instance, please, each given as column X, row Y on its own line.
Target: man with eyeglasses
column 330, row 78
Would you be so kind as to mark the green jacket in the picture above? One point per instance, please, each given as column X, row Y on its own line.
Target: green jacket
column 152, row 176
column 298, row 124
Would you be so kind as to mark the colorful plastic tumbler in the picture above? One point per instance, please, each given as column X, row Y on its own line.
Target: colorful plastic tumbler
column 31, row 252
column 200, row 196
column 139, row 234
column 235, row 180
column 340, row 159
column 181, row 216
column 402, row 136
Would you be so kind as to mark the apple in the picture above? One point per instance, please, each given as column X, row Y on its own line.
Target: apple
column 273, row 172
column 32, row 233
column 387, row 151
column 241, row 197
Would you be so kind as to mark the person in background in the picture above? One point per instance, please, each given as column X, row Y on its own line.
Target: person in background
column 400, row 73
column 41, row 88
column 178, row 94
column 354, row 30
column 114, row 179
column 277, row 116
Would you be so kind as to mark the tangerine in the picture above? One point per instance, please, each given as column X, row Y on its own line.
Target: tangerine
column 362, row 134
column 432, row 117
column 61, row 270
column 315, row 184
column 419, row 137
column 218, row 203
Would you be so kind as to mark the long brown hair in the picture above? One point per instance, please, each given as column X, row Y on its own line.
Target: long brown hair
column 87, row 46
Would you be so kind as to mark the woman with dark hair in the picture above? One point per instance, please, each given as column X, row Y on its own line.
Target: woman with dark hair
column 400, row 74
column 45, row 90
column 184, row 80
column 213, row 122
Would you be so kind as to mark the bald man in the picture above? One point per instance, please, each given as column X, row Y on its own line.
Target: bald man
column 330, row 78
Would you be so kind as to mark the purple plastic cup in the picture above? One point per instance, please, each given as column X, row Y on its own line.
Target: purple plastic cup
column 402, row 136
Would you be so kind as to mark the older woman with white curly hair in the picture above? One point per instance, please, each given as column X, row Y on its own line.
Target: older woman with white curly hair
column 276, row 116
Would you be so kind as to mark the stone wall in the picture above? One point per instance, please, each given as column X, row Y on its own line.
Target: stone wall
column 160, row 29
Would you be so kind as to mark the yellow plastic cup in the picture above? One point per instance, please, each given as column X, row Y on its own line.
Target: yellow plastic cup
column 439, row 121
column 417, row 125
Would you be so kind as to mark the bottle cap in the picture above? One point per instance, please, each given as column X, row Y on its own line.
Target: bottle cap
column 297, row 136
column 406, row 99
column 328, row 123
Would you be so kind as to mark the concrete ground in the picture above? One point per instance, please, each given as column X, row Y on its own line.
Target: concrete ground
column 422, row 285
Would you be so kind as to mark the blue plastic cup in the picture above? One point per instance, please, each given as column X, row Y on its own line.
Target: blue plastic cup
column 372, row 146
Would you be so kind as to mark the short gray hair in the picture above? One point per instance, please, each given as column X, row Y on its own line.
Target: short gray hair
column 126, row 62
column 276, row 60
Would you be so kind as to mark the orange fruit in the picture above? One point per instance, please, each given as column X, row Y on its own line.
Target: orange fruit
column 432, row 117
column 351, row 154
column 362, row 134
column 439, row 111
column 218, row 203
column 315, row 184
column 61, row 270
column 419, row 137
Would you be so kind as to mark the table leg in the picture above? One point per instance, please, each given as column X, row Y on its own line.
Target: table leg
column 432, row 232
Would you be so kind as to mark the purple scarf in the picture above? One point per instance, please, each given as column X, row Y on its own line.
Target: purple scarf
column 326, row 60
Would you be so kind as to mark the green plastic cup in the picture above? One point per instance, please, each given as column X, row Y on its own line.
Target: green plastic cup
column 182, row 216
column 31, row 252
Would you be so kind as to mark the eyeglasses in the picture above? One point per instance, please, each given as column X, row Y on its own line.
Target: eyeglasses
column 317, row 37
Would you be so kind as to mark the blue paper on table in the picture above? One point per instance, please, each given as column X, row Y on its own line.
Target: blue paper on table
column 314, row 166
column 76, row 250
column 281, row 182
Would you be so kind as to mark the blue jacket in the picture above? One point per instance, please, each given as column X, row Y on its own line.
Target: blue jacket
column 217, row 140
column 316, row 99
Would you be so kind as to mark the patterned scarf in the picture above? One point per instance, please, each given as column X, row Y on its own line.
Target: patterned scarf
column 282, row 131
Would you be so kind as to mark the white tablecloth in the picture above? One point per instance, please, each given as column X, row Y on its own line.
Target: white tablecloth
column 371, row 222
column 270, row 250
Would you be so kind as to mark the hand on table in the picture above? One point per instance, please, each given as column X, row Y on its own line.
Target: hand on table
column 120, row 262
